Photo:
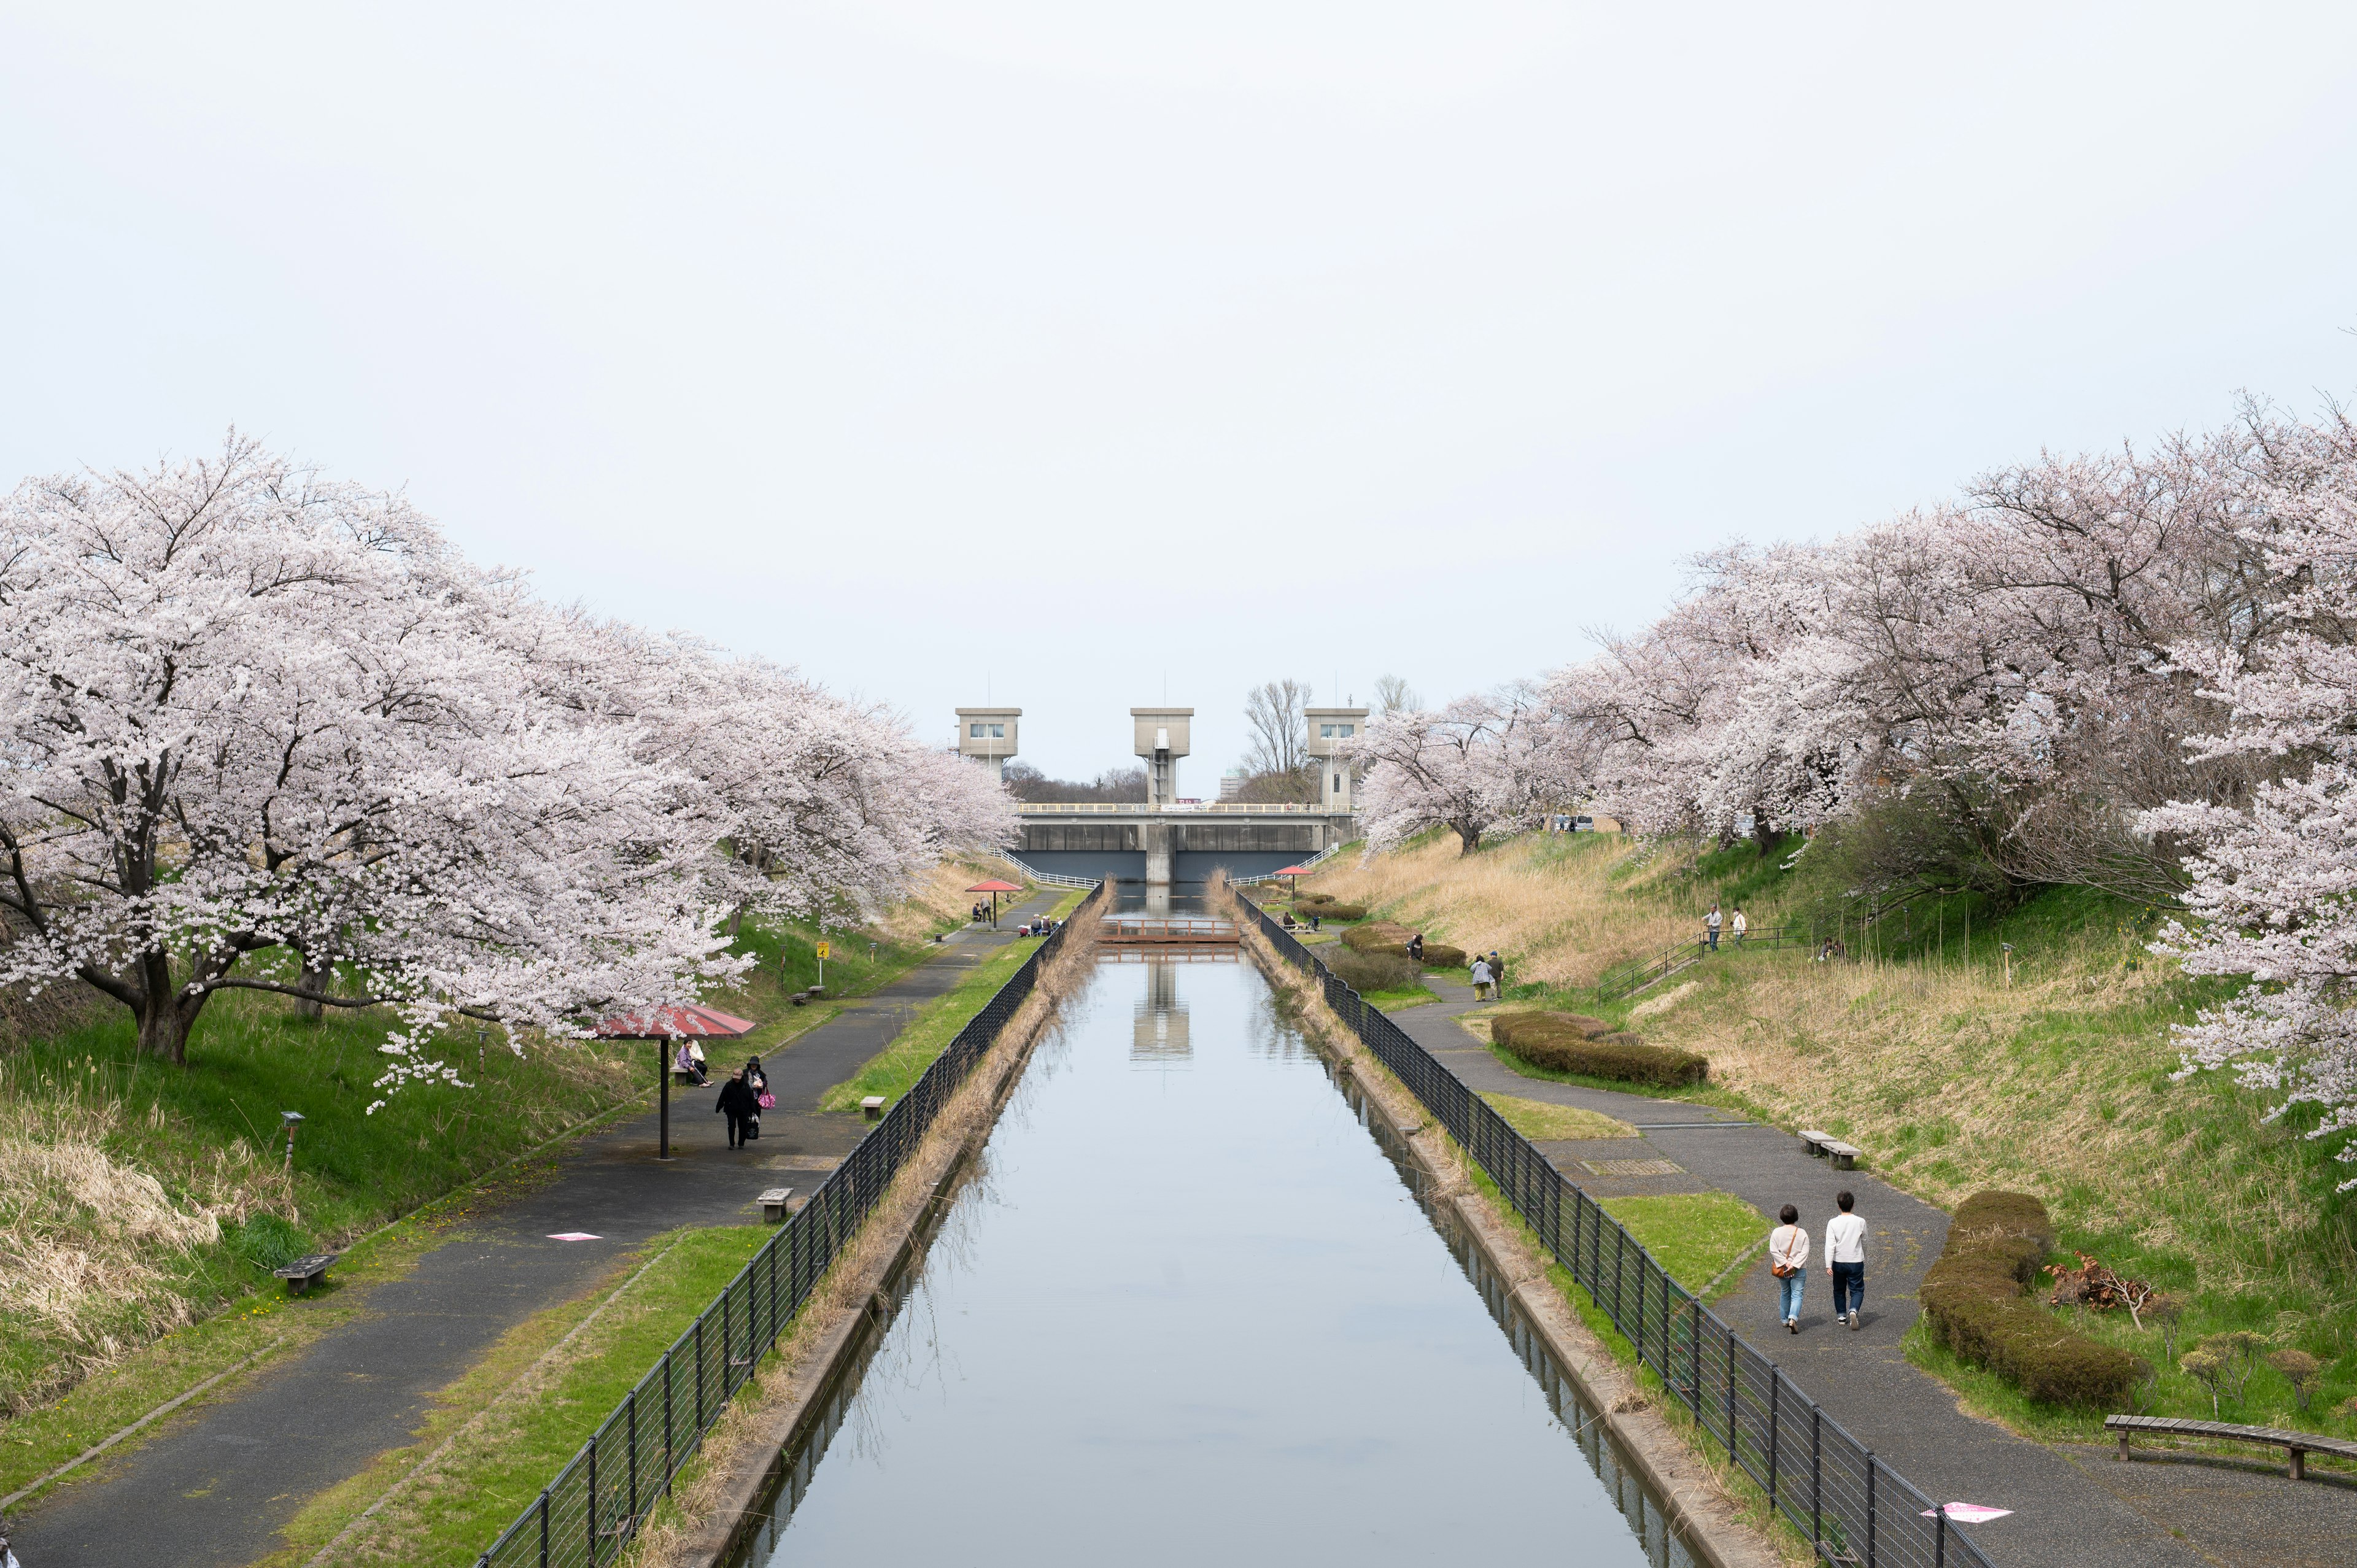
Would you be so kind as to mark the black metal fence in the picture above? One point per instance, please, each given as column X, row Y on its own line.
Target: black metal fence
column 1852, row 1506
column 597, row 1503
column 1638, row 973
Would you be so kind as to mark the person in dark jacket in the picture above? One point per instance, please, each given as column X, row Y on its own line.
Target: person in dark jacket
column 739, row 1104
column 755, row 1078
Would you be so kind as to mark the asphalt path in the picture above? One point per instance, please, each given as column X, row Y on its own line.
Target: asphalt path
column 222, row 1479
column 2068, row 1511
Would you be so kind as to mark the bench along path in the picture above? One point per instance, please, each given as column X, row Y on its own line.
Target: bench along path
column 226, row 1474
column 2071, row 1509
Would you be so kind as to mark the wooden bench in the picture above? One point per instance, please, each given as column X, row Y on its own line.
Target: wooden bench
column 304, row 1272
column 773, row 1203
column 872, row 1108
column 1844, row 1156
column 2300, row 1443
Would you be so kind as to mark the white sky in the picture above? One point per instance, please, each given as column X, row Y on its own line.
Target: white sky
column 1059, row 349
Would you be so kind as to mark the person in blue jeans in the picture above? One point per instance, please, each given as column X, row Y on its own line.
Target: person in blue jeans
column 1788, row 1260
column 1845, row 1260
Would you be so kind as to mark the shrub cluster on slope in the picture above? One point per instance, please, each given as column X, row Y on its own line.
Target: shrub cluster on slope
column 1560, row 1041
column 1977, row 1299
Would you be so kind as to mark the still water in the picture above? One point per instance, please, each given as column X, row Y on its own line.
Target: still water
column 1192, row 1311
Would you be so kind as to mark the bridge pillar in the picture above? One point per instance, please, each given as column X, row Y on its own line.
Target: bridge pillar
column 1155, row 839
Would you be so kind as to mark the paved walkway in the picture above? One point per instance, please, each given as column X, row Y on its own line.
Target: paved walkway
column 226, row 1475
column 2065, row 1516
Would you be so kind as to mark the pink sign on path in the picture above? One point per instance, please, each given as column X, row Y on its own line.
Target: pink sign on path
column 1969, row 1513
column 585, row 1236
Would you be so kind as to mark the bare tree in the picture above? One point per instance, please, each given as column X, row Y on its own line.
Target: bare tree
column 1280, row 736
column 1394, row 695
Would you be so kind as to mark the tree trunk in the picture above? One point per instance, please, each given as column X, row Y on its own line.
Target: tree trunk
column 164, row 1029
column 319, row 974
column 1467, row 839
column 1761, row 833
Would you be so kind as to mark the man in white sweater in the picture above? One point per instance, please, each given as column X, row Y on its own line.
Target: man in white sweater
column 1845, row 1260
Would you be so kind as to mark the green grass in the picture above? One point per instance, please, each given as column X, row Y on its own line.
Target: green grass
column 528, row 1428
column 895, row 1070
column 209, row 1133
column 1543, row 1122
column 1694, row 1235
column 1393, row 1001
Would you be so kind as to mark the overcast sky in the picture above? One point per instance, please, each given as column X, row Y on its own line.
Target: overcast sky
column 1055, row 351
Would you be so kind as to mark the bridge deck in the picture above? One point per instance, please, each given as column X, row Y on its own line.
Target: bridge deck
column 1139, row 928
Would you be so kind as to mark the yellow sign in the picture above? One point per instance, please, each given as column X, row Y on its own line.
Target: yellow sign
column 822, row 950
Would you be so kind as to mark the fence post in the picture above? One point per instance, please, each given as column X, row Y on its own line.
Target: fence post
column 1816, row 1480
column 1869, row 1509
column 1775, row 1400
column 699, row 1375
column 543, row 1527
column 1940, row 1536
column 593, row 1500
column 634, row 1454
column 1693, row 1356
column 1730, row 1399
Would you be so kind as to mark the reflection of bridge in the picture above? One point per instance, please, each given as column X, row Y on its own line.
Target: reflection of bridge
column 1174, row 843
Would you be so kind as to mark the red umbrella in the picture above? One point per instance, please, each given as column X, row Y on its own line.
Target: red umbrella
column 1295, row 871
column 677, row 1020
column 994, row 889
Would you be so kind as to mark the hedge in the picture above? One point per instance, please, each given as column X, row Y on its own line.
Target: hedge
column 1365, row 972
column 1390, row 937
column 1978, row 1299
column 1331, row 911
column 1555, row 1041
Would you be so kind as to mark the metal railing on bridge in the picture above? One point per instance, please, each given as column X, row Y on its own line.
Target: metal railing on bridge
column 594, row 1507
column 1852, row 1508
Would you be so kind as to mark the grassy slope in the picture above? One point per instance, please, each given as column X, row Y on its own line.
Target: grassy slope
column 1952, row 1079
column 86, row 1286
column 894, row 1070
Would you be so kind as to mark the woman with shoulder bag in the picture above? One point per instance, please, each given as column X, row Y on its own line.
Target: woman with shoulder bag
column 1788, row 1260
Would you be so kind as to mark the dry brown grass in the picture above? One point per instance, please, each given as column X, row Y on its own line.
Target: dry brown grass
column 941, row 896
column 87, row 1243
column 1561, row 914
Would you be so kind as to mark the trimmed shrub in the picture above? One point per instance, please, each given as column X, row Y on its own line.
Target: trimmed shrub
column 1618, row 1037
column 1307, row 900
column 1587, row 1025
column 1977, row 1299
column 1334, row 911
column 1554, row 1040
column 1377, row 936
column 1365, row 972
column 1440, row 955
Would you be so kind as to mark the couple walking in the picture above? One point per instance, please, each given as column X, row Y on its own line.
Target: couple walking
column 1788, row 1260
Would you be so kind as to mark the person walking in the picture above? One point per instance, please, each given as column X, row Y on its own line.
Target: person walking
column 1498, row 974
column 1740, row 925
column 755, row 1078
column 1788, row 1260
column 1846, row 1258
column 739, row 1105
column 1480, row 979
column 1711, row 923
column 1416, row 947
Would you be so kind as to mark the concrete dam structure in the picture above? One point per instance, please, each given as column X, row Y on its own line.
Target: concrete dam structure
column 1175, row 845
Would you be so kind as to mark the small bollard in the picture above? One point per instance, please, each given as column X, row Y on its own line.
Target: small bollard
column 872, row 1108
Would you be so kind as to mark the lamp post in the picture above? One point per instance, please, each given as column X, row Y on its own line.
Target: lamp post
column 290, row 1118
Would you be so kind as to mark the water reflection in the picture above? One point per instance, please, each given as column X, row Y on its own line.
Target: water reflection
column 1202, row 1315
column 1159, row 1024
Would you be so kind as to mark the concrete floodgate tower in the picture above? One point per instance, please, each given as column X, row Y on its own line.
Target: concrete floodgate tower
column 1330, row 728
column 987, row 734
column 1161, row 736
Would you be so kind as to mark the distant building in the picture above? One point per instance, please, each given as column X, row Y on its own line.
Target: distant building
column 987, row 734
column 1232, row 784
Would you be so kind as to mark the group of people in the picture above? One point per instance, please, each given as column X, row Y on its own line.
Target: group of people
column 1714, row 921
column 1788, row 1260
column 1489, row 972
column 742, row 1100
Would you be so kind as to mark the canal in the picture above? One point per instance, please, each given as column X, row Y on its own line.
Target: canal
column 1191, row 1310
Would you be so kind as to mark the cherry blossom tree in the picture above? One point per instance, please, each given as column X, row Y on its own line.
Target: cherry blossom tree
column 1480, row 763
column 264, row 731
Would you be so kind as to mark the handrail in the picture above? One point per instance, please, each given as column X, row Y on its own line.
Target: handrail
column 590, row 1512
column 1628, row 979
column 1329, row 852
column 1051, row 878
column 1853, row 1507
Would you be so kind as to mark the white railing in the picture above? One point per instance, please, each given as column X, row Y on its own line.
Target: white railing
column 1327, row 854
column 1050, row 878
